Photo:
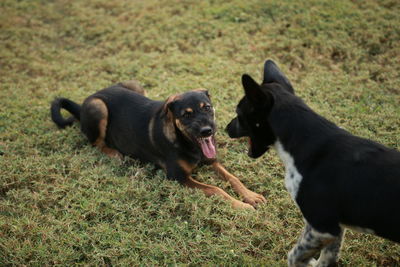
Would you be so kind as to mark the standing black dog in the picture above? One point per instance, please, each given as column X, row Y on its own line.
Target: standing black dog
column 337, row 179
column 176, row 134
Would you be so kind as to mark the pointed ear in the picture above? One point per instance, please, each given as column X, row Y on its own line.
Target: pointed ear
column 253, row 91
column 273, row 74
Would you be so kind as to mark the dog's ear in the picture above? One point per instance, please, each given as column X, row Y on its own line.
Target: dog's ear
column 253, row 91
column 207, row 93
column 204, row 91
column 169, row 103
column 273, row 74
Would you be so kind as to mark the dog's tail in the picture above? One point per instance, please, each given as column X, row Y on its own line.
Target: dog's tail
column 72, row 107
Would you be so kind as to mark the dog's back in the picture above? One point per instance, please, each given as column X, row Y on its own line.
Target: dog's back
column 128, row 111
column 368, row 190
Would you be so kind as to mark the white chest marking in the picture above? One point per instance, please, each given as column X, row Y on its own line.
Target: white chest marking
column 292, row 177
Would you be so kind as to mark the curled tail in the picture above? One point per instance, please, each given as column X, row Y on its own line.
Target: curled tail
column 67, row 104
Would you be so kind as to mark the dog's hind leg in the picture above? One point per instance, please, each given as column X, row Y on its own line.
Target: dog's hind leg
column 94, row 120
column 248, row 196
column 310, row 243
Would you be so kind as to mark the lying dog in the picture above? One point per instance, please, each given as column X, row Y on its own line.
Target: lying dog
column 337, row 179
column 175, row 135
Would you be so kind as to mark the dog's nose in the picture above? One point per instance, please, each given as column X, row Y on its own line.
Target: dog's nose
column 206, row 131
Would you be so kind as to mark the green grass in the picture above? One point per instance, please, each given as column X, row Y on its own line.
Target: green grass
column 64, row 203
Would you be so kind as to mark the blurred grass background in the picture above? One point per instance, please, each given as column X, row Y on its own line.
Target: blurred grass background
column 64, row 203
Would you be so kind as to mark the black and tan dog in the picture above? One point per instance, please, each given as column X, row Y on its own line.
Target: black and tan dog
column 176, row 135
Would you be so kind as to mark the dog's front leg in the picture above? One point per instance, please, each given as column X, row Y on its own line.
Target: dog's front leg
column 310, row 243
column 181, row 171
column 330, row 253
column 248, row 196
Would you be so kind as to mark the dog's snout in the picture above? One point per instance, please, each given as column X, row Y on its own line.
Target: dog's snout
column 206, row 131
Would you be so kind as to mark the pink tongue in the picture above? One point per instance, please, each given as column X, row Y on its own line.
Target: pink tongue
column 208, row 147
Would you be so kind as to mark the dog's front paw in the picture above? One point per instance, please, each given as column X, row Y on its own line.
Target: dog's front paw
column 253, row 198
column 112, row 153
column 241, row 205
column 294, row 261
column 117, row 155
column 312, row 263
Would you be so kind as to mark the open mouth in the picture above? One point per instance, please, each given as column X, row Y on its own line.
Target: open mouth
column 207, row 145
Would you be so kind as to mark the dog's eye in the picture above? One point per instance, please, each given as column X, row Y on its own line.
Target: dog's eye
column 207, row 107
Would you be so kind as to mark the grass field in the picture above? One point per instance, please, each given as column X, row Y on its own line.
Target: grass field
column 64, row 203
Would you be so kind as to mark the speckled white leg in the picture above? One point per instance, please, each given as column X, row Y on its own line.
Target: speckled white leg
column 310, row 243
column 330, row 253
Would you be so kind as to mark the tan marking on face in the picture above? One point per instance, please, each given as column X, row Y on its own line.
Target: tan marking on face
column 189, row 110
column 202, row 104
column 186, row 166
column 182, row 128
